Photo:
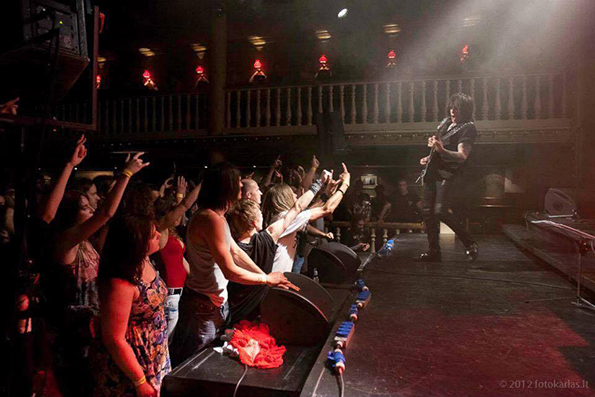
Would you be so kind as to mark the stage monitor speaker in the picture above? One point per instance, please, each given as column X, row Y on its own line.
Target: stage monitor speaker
column 560, row 202
column 335, row 263
column 26, row 26
column 298, row 318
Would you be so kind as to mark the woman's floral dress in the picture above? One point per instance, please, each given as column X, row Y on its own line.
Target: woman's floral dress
column 147, row 335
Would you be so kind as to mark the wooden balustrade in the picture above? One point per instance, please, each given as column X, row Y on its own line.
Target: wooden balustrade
column 516, row 97
column 409, row 101
column 376, row 231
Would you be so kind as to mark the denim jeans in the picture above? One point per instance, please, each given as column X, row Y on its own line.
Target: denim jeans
column 172, row 314
column 198, row 324
column 437, row 207
column 298, row 262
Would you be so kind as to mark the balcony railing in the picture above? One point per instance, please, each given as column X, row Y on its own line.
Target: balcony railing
column 150, row 115
column 533, row 103
column 518, row 97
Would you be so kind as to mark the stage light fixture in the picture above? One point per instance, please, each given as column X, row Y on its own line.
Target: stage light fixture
column 324, row 71
column 257, row 41
column 342, row 13
column 392, row 29
column 323, row 35
column 200, row 72
column 258, row 74
column 199, row 49
column 392, row 59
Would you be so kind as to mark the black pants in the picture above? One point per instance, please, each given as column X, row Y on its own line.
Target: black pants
column 437, row 207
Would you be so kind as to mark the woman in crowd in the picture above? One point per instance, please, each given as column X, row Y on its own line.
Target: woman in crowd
column 279, row 199
column 260, row 244
column 71, row 282
column 214, row 258
column 171, row 262
column 133, row 356
column 88, row 188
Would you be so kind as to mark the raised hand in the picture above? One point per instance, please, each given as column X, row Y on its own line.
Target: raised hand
column 296, row 176
column 301, row 171
column 79, row 152
column 424, row 160
column 136, row 163
column 181, row 186
column 277, row 279
column 326, row 177
column 345, row 177
column 330, row 236
column 279, row 176
column 10, row 107
column 277, row 163
column 436, row 143
column 249, row 176
column 315, row 163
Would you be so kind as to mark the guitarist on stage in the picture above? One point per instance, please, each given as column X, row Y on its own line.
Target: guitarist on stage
column 450, row 148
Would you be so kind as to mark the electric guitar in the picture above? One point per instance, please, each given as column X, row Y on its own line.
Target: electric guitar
column 444, row 140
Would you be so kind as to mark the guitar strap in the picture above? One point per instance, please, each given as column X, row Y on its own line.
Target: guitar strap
column 453, row 131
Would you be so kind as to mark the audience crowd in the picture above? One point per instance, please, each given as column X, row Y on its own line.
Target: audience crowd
column 125, row 280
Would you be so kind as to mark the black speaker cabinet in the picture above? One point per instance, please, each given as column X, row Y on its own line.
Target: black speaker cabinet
column 335, row 263
column 298, row 318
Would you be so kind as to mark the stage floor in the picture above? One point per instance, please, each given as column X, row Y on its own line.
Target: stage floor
column 502, row 326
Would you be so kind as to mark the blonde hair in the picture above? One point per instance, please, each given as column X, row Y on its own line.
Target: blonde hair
column 242, row 216
column 279, row 198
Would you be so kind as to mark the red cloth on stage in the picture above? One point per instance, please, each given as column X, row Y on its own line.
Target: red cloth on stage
column 244, row 337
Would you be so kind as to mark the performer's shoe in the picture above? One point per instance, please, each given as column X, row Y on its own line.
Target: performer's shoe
column 430, row 256
column 472, row 252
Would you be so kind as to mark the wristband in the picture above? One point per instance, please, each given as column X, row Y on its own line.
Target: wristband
column 262, row 279
column 127, row 173
column 316, row 186
column 180, row 195
column 341, row 191
column 140, row 381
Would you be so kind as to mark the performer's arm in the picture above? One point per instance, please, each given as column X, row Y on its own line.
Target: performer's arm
column 460, row 156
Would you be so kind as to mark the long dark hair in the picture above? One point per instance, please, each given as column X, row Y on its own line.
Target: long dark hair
column 126, row 247
column 81, row 184
column 68, row 210
column 464, row 103
column 220, row 187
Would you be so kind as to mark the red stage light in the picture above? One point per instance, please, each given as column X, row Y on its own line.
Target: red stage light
column 257, row 64
column 392, row 55
column 199, row 69
column 322, row 59
column 146, row 74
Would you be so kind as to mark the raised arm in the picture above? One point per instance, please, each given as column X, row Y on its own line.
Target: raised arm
column 276, row 229
column 172, row 216
column 78, row 233
column 210, row 227
column 332, row 203
column 116, row 302
column 266, row 181
column 309, row 177
column 50, row 205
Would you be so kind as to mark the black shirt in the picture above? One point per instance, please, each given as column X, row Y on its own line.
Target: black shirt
column 244, row 299
column 404, row 207
column 441, row 169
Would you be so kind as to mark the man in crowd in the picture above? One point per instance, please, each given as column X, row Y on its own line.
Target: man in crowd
column 404, row 205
